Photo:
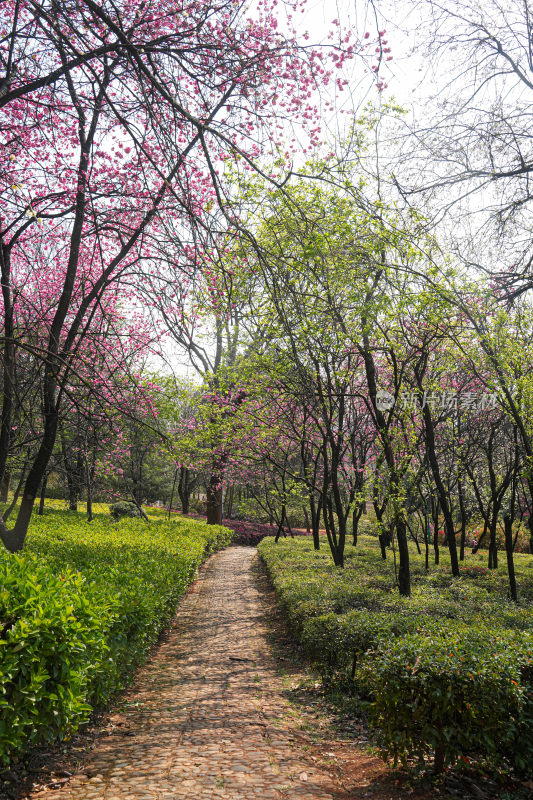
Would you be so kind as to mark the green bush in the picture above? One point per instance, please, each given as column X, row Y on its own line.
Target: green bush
column 462, row 692
column 80, row 609
column 448, row 672
column 52, row 645
column 336, row 641
column 124, row 509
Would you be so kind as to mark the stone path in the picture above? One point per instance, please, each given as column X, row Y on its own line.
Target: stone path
column 206, row 717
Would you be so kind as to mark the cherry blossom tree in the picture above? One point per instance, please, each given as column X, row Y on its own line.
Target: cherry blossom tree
column 115, row 123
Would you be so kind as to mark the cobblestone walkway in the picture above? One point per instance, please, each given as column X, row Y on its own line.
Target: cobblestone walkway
column 206, row 717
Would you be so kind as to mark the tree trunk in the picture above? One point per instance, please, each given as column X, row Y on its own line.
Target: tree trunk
column 508, row 527
column 306, row 518
column 439, row 762
column 171, row 499
column 184, row 489
column 229, row 505
column 336, row 551
column 355, row 523
column 280, row 526
column 89, row 502
column 435, row 515
column 4, row 486
column 404, row 580
column 43, row 496
column 493, row 546
column 14, row 539
column 89, row 481
column 214, row 501
column 462, row 511
column 315, row 520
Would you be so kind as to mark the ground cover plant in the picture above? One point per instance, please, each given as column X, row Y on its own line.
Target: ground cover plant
column 80, row 609
column 447, row 673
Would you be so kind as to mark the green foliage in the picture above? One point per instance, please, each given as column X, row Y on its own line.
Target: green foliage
column 51, row 648
column 447, row 671
column 124, row 509
column 453, row 693
column 80, row 610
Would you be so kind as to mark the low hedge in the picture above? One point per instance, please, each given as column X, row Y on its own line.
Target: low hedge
column 447, row 672
column 124, row 509
column 452, row 694
column 80, row 609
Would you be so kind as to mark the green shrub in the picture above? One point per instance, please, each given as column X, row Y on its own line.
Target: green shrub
column 80, row 609
column 336, row 641
column 124, row 509
column 448, row 672
column 461, row 692
column 51, row 647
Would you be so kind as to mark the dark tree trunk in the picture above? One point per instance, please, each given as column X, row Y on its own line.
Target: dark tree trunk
column 441, row 490
column 171, row 499
column 14, row 539
column 4, row 486
column 89, row 502
column 43, row 496
column 462, row 512
column 185, row 486
column 334, row 540
column 214, row 501
column 426, row 540
column 355, row 524
column 435, row 515
column 493, row 546
column 280, row 526
column 508, row 527
column 89, row 476
column 404, row 579
column 229, row 503
column 316, row 510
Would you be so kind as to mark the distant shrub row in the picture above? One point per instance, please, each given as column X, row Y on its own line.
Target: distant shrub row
column 447, row 672
column 250, row 534
column 80, row 609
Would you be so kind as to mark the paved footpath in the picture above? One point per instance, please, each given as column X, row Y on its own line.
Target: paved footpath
column 207, row 713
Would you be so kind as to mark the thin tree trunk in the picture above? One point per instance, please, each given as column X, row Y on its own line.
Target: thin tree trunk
column 229, row 505
column 89, row 496
column 280, row 526
column 4, row 487
column 171, row 500
column 315, row 520
column 43, row 496
column 435, row 514
column 462, row 511
column 493, row 545
column 404, row 580
column 508, row 527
